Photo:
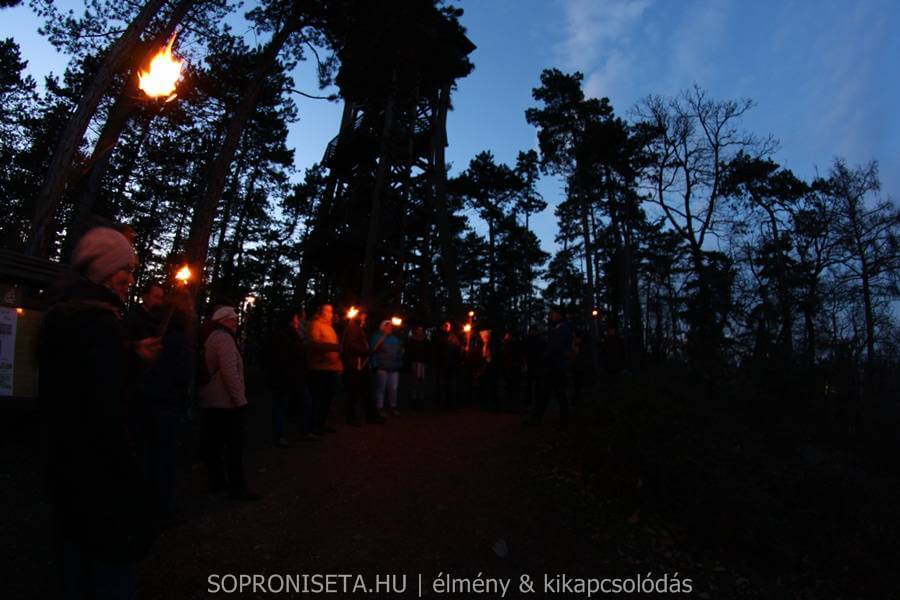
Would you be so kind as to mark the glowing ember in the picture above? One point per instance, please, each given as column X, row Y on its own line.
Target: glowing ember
column 165, row 70
column 20, row 311
column 396, row 321
column 352, row 312
column 183, row 275
column 595, row 312
column 471, row 313
column 467, row 328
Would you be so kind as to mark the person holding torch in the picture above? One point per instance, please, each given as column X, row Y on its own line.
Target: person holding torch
column 387, row 361
column 355, row 354
column 101, row 498
column 325, row 366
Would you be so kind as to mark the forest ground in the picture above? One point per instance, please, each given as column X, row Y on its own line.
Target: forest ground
column 441, row 492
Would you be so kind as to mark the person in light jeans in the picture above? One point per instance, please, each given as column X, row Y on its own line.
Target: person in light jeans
column 387, row 360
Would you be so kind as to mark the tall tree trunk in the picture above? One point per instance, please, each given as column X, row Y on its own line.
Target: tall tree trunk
column 55, row 181
column 404, row 196
column 867, row 310
column 439, row 173
column 231, row 199
column 204, row 212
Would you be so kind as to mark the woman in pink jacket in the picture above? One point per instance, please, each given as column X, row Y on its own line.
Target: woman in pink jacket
column 224, row 401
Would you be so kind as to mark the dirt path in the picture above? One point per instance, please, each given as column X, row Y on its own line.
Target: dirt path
column 430, row 492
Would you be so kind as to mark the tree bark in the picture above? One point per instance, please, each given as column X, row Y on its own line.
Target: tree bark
column 204, row 212
column 125, row 106
column 57, row 174
column 439, row 182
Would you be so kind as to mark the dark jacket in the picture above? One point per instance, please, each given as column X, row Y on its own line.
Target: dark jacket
column 98, row 485
column 167, row 381
column 559, row 346
column 446, row 350
column 417, row 350
column 355, row 347
column 535, row 349
column 511, row 357
column 286, row 359
column 140, row 323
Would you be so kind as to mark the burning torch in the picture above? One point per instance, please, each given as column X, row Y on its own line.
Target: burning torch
column 182, row 277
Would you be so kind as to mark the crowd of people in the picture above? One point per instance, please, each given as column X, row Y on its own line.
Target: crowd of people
column 116, row 382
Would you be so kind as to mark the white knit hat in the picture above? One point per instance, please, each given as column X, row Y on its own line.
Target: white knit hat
column 226, row 312
column 101, row 252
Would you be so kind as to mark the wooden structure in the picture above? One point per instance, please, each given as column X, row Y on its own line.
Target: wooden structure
column 25, row 282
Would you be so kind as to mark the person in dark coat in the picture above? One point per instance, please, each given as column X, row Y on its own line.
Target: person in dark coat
column 285, row 361
column 446, row 361
column 535, row 369
column 166, row 388
column 417, row 351
column 511, row 370
column 356, row 354
column 99, row 489
column 143, row 319
column 558, row 358
column 612, row 354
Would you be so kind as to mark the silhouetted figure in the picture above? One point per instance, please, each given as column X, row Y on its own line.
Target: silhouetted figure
column 286, row 366
column 535, row 369
column 356, row 355
column 558, row 358
column 487, row 371
column 612, row 354
column 511, row 361
column 447, row 355
column 167, row 388
column 417, row 350
column 582, row 369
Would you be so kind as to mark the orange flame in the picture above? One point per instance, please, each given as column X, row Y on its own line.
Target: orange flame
column 467, row 327
column 184, row 274
column 396, row 321
column 165, row 70
column 352, row 312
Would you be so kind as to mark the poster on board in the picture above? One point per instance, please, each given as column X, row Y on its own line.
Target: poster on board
column 8, row 320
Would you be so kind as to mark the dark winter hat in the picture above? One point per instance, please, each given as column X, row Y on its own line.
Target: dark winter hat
column 101, row 252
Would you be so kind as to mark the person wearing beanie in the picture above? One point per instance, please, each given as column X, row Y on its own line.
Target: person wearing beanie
column 96, row 473
column 224, row 402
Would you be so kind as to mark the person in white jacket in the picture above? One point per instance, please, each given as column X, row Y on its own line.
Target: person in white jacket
column 224, row 402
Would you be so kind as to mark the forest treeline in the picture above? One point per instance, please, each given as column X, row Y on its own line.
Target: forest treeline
column 676, row 224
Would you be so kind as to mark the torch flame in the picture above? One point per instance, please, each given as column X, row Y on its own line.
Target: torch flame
column 467, row 328
column 183, row 275
column 471, row 313
column 352, row 312
column 165, row 70
column 396, row 321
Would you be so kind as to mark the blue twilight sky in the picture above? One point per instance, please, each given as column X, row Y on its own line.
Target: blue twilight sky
column 824, row 73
